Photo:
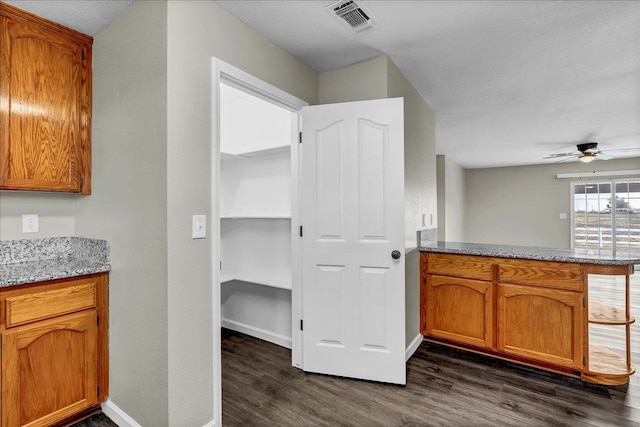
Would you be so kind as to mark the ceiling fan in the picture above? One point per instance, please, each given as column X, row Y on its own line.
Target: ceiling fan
column 588, row 152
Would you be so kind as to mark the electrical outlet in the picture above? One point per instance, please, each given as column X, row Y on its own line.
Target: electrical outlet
column 30, row 223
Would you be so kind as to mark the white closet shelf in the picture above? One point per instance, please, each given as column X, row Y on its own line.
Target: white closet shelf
column 255, row 216
column 258, row 279
column 258, row 153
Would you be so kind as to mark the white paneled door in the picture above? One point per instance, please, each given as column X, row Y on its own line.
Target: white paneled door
column 352, row 202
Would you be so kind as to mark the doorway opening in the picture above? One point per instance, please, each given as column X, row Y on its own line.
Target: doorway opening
column 256, row 282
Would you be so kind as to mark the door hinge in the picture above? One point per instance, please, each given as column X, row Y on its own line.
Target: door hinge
column 300, row 231
column 220, row 265
column 584, row 360
column 300, row 137
column 301, row 328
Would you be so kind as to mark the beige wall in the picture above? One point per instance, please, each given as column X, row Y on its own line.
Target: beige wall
column 521, row 205
column 420, row 183
column 357, row 82
column 151, row 172
column 451, row 200
column 128, row 206
column 379, row 78
column 55, row 214
column 198, row 30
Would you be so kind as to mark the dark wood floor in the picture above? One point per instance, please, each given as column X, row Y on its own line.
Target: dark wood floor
column 445, row 387
column 98, row 420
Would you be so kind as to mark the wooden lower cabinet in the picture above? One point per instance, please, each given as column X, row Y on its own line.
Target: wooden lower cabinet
column 54, row 366
column 460, row 310
column 542, row 324
column 526, row 311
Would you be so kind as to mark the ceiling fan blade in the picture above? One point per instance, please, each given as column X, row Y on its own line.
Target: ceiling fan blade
column 555, row 156
column 574, row 157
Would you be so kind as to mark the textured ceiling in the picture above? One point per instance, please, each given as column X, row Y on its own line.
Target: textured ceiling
column 511, row 81
column 87, row 16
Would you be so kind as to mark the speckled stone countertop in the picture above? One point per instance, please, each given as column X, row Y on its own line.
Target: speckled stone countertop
column 582, row 256
column 36, row 260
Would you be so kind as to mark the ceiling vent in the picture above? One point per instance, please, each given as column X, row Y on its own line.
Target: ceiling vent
column 354, row 15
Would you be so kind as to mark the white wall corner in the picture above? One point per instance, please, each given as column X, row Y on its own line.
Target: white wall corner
column 413, row 347
column 117, row 415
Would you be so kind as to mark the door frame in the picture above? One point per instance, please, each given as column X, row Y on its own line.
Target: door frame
column 222, row 72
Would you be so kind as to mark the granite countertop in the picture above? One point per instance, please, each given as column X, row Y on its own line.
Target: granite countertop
column 582, row 256
column 37, row 260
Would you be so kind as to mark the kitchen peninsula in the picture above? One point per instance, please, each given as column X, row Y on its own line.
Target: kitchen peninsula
column 525, row 304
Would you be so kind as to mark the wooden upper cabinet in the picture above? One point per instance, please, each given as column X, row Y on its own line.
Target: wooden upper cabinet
column 45, row 105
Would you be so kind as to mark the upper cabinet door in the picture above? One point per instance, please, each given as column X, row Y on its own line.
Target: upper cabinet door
column 45, row 90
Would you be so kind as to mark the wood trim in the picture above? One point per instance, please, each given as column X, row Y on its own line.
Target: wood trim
column 102, row 305
column 84, row 135
column 423, row 293
column 609, row 270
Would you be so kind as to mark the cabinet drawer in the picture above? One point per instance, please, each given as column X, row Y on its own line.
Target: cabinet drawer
column 541, row 273
column 21, row 309
column 472, row 267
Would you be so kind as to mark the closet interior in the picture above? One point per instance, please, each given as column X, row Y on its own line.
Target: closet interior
column 255, row 202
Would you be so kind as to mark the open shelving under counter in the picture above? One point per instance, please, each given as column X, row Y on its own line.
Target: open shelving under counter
column 604, row 365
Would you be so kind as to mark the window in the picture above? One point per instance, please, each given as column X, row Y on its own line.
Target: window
column 606, row 214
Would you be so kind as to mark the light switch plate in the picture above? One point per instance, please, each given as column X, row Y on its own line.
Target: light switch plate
column 30, row 223
column 563, row 215
column 199, row 230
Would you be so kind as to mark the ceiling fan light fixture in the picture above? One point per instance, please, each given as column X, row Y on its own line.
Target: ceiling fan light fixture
column 587, row 158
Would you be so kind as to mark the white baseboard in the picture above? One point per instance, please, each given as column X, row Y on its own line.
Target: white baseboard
column 211, row 423
column 262, row 334
column 413, row 347
column 117, row 415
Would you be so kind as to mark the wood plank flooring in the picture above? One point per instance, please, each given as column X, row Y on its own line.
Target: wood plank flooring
column 445, row 387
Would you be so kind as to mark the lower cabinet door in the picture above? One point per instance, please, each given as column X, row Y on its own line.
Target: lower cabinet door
column 541, row 324
column 460, row 310
column 49, row 370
